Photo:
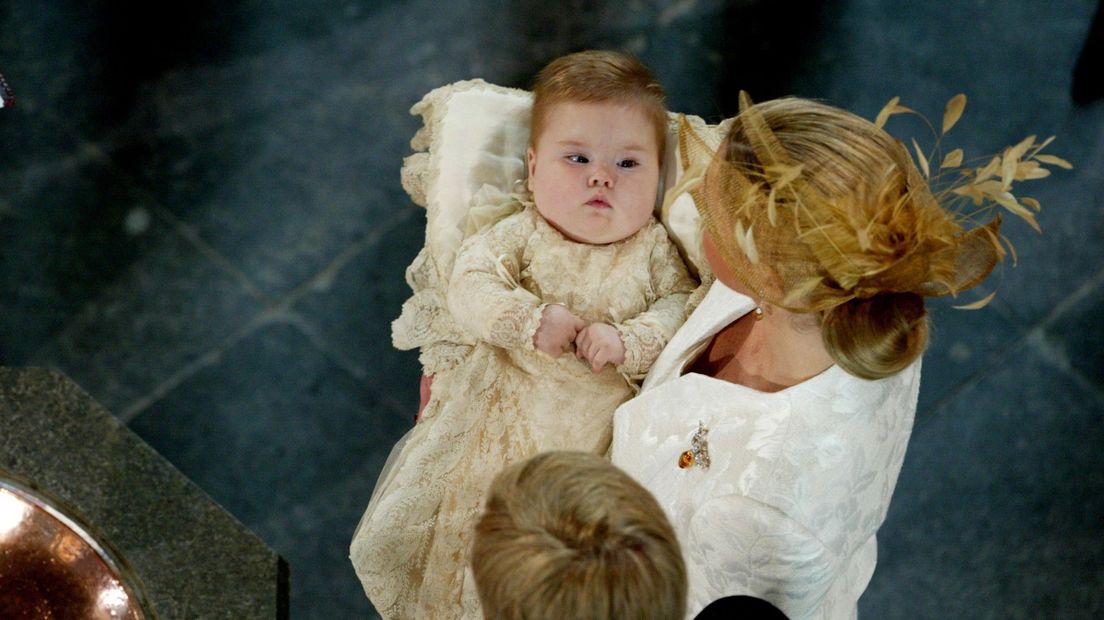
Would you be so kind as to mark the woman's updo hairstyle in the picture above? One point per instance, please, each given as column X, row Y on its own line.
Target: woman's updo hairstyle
column 817, row 210
column 851, row 164
column 876, row 337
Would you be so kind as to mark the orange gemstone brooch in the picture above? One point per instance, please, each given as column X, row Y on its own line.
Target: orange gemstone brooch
column 698, row 454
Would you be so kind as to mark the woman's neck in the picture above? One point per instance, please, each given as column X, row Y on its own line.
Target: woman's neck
column 779, row 351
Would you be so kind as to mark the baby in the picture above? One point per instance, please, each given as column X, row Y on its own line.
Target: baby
column 584, row 265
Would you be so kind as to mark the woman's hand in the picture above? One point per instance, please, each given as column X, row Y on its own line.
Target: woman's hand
column 558, row 328
column 600, row 344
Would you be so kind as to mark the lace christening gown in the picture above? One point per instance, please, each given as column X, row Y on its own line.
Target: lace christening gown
column 497, row 400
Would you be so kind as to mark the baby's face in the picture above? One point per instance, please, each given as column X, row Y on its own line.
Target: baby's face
column 594, row 170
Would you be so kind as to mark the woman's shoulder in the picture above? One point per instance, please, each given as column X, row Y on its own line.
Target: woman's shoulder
column 851, row 396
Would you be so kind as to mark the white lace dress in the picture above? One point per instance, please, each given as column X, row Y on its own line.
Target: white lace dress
column 501, row 400
column 799, row 480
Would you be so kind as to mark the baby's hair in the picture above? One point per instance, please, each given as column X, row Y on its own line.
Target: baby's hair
column 569, row 535
column 599, row 76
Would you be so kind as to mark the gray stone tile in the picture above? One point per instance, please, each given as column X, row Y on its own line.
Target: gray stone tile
column 163, row 314
column 354, row 307
column 314, row 537
column 42, row 50
column 282, row 195
column 964, row 344
column 997, row 510
column 1056, row 264
column 1075, row 338
column 269, row 425
column 79, row 69
column 279, row 185
column 291, row 445
column 875, row 50
column 67, row 230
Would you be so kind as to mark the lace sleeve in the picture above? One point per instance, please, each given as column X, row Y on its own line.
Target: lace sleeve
column 645, row 335
column 484, row 293
column 425, row 322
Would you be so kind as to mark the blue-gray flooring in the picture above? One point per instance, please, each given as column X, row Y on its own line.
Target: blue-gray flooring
column 202, row 224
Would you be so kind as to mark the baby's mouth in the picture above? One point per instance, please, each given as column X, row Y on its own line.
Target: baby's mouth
column 599, row 203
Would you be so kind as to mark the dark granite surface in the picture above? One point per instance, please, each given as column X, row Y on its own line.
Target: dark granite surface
column 201, row 222
column 191, row 558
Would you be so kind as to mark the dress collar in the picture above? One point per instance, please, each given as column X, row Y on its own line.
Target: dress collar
column 719, row 308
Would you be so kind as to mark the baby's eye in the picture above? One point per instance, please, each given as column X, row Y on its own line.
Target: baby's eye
column 578, row 159
column 628, row 163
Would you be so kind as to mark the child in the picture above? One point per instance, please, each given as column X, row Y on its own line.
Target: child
column 585, row 264
column 569, row 535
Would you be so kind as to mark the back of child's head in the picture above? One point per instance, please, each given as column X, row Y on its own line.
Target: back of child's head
column 599, row 76
column 569, row 535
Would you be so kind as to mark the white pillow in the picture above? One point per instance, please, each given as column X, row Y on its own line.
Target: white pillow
column 475, row 134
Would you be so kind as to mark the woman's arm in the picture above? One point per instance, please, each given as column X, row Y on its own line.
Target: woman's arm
column 739, row 546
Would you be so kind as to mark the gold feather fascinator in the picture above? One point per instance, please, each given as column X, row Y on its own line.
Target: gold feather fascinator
column 811, row 206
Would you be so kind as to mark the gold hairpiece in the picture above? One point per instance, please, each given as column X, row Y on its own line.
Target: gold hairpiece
column 802, row 248
column 991, row 183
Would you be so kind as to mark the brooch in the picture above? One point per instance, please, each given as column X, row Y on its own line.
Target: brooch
column 698, row 454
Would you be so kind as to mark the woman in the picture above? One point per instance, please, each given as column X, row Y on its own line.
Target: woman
column 774, row 425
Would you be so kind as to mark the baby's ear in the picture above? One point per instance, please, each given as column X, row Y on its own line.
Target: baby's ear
column 531, row 158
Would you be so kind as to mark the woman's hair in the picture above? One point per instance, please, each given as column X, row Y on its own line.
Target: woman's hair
column 854, row 168
column 569, row 535
column 876, row 337
column 599, row 76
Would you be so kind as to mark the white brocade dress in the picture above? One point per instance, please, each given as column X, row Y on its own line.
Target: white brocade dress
column 506, row 401
column 799, row 481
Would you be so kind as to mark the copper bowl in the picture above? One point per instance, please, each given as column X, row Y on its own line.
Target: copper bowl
column 52, row 567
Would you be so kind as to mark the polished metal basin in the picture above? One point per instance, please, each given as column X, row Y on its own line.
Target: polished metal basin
column 52, row 567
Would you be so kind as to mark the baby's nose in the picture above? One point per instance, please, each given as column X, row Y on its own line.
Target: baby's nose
column 601, row 177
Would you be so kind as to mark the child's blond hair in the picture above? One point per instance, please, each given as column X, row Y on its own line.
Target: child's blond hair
column 569, row 535
column 599, row 76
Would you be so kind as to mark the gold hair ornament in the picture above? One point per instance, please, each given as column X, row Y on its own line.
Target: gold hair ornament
column 797, row 246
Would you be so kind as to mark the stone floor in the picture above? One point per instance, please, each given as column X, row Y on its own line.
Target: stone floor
column 202, row 224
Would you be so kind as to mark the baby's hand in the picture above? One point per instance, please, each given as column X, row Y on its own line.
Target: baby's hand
column 557, row 330
column 600, row 344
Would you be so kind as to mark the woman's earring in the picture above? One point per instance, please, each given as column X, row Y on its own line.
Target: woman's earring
column 758, row 313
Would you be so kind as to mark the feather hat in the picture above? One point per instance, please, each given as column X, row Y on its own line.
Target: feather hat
column 812, row 206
